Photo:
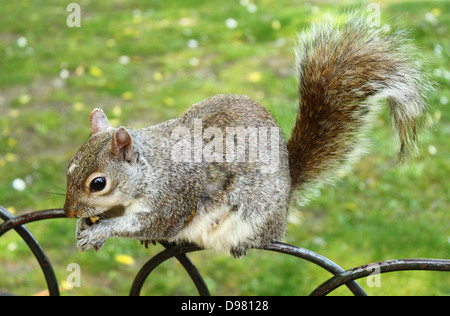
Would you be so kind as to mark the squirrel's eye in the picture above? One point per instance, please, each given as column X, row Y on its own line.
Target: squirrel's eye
column 98, row 184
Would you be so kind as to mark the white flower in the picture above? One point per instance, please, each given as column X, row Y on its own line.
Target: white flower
column 192, row 43
column 64, row 74
column 12, row 246
column 432, row 150
column 22, row 41
column 251, row 8
column 19, row 185
column 231, row 23
column 124, row 60
column 429, row 17
column 194, row 61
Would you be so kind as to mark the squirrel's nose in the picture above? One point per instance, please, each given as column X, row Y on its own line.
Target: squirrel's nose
column 69, row 213
column 68, row 210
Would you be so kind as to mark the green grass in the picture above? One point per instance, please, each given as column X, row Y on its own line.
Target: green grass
column 376, row 213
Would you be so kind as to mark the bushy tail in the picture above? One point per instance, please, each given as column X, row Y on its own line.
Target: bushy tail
column 344, row 70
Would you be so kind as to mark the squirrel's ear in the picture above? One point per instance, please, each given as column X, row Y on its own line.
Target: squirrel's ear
column 122, row 144
column 98, row 122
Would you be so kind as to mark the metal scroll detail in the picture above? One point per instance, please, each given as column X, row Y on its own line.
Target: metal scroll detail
column 340, row 276
column 11, row 222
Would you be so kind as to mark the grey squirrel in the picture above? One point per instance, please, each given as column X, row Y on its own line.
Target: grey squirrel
column 216, row 190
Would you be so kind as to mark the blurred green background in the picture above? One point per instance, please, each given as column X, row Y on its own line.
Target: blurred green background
column 147, row 61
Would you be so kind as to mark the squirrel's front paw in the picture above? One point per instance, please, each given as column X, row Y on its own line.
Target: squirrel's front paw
column 90, row 236
column 82, row 225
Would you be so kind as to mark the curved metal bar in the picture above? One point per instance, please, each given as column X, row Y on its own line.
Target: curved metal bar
column 38, row 252
column 169, row 252
column 192, row 270
column 340, row 277
column 195, row 275
column 315, row 258
column 13, row 222
column 380, row 267
column 277, row 247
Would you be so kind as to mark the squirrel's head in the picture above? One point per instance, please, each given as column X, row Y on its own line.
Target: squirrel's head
column 98, row 175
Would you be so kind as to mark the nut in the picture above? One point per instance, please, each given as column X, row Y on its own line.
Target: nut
column 94, row 219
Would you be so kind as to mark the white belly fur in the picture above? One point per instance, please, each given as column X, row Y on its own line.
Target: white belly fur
column 219, row 229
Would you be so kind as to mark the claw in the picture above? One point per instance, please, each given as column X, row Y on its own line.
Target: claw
column 146, row 242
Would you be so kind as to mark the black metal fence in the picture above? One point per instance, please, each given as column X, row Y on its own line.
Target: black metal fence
column 340, row 276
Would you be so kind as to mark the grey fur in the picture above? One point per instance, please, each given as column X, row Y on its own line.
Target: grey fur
column 233, row 206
